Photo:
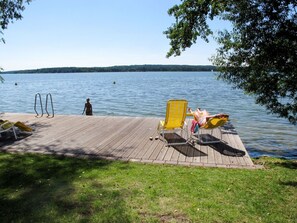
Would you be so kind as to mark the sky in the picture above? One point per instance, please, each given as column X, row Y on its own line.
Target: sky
column 95, row 33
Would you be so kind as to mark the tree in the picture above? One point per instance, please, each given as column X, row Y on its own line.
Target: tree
column 259, row 54
column 10, row 10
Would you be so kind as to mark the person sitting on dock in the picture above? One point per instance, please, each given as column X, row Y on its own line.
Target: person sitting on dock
column 202, row 116
column 88, row 108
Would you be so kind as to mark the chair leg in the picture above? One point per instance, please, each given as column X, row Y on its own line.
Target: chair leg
column 162, row 135
column 15, row 135
column 221, row 133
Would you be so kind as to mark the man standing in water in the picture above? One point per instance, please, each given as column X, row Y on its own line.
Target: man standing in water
column 88, row 108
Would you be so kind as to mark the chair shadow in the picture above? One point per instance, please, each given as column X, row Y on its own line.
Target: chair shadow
column 7, row 138
column 227, row 150
column 221, row 147
column 186, row 149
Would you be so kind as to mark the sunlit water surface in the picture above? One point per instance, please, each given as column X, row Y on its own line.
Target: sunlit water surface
column 145, row 94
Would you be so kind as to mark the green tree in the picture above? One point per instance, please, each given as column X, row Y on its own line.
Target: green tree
column 10, row 10
column 258, row 55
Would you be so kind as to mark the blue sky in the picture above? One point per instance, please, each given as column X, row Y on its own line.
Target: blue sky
column 87, row 33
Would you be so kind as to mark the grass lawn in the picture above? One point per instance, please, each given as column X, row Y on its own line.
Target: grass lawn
column 39, row 188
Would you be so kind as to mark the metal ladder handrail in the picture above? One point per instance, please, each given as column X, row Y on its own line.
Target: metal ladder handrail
column 40, row 105
column 46, row 102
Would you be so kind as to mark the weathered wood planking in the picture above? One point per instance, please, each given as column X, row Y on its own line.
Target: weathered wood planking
column 122, row 138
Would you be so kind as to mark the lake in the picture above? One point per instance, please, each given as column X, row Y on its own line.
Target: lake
column 146, row 94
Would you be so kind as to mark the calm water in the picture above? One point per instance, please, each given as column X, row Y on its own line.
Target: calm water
column 145, row 94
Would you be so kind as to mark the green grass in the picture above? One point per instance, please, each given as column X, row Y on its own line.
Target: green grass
column 38, row 188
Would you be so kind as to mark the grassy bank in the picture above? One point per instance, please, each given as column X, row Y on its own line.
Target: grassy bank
column 36, row 188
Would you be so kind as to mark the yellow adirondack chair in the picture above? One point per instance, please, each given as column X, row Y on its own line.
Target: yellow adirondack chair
column 6, row 126
column 175, row 120
column 211, row 124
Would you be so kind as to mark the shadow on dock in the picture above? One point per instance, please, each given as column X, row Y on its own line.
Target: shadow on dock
column 186, row 149
column 227, row 150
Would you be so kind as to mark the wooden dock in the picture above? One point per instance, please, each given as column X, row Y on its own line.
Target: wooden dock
column 121, row 138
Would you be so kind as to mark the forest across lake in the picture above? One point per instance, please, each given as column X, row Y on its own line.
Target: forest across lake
column 128, row 68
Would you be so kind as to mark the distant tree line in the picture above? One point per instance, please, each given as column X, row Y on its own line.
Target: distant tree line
column 131, row 68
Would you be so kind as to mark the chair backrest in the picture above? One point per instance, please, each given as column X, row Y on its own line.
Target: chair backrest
column 175, row 114
column 215, row 122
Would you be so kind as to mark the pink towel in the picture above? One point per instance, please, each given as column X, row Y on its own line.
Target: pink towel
column 194, row 123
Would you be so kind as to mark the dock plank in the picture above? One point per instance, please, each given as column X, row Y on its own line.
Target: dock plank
column 121, row 138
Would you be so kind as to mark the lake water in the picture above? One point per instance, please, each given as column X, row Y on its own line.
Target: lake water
column 146, row 94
